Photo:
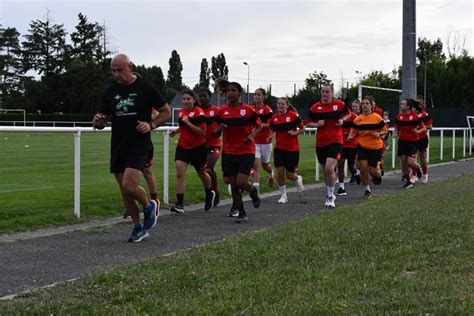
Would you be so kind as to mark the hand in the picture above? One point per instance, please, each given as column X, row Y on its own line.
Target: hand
column 292, row 133
column 248, row 139
column 339, row 122
column 173, row 133
column 143, row 127
column 376, row 134
column 320, row 123
column 185, row 120
column 416, row 131
column 99, row 121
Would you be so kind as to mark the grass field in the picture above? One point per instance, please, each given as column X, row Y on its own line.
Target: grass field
column 36, row 177
column 363, row 259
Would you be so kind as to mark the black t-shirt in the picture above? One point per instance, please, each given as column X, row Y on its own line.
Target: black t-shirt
column 126, row 105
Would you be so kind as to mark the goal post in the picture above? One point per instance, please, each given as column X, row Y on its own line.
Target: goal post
column 470, row 124
column 16, row 110
column 360, row 87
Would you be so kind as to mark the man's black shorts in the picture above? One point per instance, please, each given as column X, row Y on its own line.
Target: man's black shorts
column 349, row 154
column 287, row 159
column 123, row 157
column 333, row 150
column 234, row 164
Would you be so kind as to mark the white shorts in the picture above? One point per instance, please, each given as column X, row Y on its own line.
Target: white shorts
column 263, row 152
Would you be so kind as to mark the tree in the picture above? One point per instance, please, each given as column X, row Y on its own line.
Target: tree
column 427, row 51
column 44, row 49
column 154, row 75
column 316, row 80
column 175, row 80
column 219, row 68
column 311, row 93
column 10, row 66
column 204, row 75
column 86, row 44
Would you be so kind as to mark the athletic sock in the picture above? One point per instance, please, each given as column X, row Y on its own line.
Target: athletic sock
column 330, row 190
column 341, row 185
column 180, row 198
column 257, row 186
column 367, row 188
column 154, row 196
column 425, row 169
column 283, row 190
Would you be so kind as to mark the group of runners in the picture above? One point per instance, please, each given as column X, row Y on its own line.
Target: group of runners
column 354, row 133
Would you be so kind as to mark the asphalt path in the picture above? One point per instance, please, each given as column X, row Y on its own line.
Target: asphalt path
column 47, row 257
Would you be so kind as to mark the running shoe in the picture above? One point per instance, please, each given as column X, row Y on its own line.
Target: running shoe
column 177, row 209
column 283, row 200
column 270, row 181
column 255, row 198
column 367, row 194
column 299, row 184
column 217, row 199
column 242, row 217
column 158, row 204
column 234, row 211
column 357, row 177
column 424, row 179
column 209, row 203
column 149, row 215
column 419, row 172
column 352, row 180
column 408, row 185
column 330, row 202
column 138, row 234
column 341, row 191
column 126, row 215
column 377, row 180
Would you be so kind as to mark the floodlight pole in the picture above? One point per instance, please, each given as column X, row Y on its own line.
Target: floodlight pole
column 409, row 50
column 248, row 81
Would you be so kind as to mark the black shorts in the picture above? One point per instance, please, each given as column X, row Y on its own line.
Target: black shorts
column 349, row 154
column 149, row 160
column 213, row 151
column 123, row 157
column 235, row 164
column 423, row 144
column 333, row 150
column 197, row 157
column 373, row 156
column 407, row 148
column 287, row 159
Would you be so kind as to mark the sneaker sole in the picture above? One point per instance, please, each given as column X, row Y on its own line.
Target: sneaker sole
column 241, row 220
column 139, row 239
column 212, row 202
column 174, row 210
column 341, row 194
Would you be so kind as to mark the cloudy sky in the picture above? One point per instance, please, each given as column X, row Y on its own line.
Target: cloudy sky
column 282, row 41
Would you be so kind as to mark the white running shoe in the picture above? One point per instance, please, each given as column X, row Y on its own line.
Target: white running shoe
column 413, row 179
column 299, row 184
column 283, row 200
column 330, row 201
column 424, row 179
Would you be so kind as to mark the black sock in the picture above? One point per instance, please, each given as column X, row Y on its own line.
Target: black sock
column 180, row 199
column 208, row 192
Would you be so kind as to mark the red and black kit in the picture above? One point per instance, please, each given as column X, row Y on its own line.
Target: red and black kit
column 191, row 146
column 407, row 138
column 264, row 113
column 423, row 140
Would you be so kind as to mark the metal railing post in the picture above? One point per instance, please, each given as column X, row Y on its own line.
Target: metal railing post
column 166, row 158
column 441, row 144
column 454, row 143
column 394, row 153
column 77, row 174
column 464, row 143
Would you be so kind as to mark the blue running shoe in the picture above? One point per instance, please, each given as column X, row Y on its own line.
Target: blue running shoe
column 138, row 234
column 149, row 215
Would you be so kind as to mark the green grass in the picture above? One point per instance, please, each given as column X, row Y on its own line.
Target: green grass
column 388, row 255
column 36, row 187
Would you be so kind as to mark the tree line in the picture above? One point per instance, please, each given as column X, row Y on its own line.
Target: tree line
column 43, row 71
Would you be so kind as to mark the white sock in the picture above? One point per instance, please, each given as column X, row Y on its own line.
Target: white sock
column 330, row 190
column 271, row 174
column 257, row 186
column 367, row 188
column 341, row 185
column 283, row 190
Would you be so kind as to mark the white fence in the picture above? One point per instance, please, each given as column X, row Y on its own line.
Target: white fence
column 466, row 132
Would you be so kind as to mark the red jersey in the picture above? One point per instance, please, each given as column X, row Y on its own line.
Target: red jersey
column 379, row 111
column 211, row 125
column 187, row 138
column 240, row 121
column 282, row 124
column 405, row 123
column 264, row 113
column 346, row 130
column 331, row 113
column 426, row 119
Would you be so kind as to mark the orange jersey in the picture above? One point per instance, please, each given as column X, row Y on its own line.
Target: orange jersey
column 365, row 126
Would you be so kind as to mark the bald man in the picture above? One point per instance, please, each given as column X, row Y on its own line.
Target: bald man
column 128, row 103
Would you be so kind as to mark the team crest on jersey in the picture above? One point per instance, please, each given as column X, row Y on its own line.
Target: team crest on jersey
column 334, row 107
column 410, row 117
column 117, row 97
column 261, row 111
column 191, row 114
column 211, row 113
column 320, row 108
column 226, row 113
column 288, row 118
column 242, row 112
column 180, row 114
